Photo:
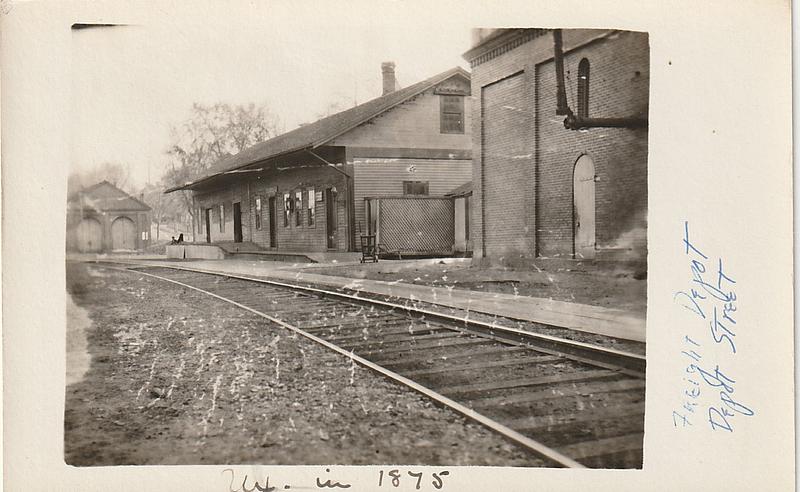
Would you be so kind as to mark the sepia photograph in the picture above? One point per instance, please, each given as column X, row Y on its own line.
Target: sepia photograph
column 397, row 245
column 292, row 248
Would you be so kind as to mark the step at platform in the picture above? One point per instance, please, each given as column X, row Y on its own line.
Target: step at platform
column 252, row 251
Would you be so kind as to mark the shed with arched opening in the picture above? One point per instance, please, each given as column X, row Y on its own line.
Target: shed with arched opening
column 102, row 218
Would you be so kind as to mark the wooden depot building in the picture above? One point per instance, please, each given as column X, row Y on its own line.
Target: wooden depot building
column 381, row 168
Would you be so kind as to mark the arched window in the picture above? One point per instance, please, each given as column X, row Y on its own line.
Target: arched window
column 583, row 88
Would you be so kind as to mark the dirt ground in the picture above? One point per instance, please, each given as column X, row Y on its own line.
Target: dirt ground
column 176, row 377
column 614, row 289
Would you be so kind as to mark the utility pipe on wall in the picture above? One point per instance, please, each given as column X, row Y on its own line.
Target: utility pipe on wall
column 573, row 122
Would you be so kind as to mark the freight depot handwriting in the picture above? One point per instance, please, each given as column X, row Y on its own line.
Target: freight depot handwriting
column 266, row 487
column 712, row 298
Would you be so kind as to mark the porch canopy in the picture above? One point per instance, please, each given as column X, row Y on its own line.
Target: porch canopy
column 328, row 156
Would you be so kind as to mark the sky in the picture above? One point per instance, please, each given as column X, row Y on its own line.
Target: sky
column 130, row 83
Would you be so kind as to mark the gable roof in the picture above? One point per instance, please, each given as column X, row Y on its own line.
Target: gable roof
column 322, row 131
column 104, row 196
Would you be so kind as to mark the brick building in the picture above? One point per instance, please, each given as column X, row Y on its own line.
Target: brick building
column 307, row 189
column 559, row 169
column 102, row 218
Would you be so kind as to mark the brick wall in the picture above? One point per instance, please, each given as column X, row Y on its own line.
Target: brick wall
column 523, row 157
column 618, row 87
column 490, row 82
column 507, row 166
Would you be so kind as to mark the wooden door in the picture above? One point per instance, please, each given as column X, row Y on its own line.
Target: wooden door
column 90, row 236
column 208, row 225
column 467, row 217
column 123, row 234
column 584, row 208
column 330, row 218
column 372, row 211
column 273, row 219
column 237, row 222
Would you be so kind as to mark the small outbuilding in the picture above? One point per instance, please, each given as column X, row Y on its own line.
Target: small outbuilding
column 102, row 218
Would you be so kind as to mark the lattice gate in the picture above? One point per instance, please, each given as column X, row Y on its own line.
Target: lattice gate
column 414, row 225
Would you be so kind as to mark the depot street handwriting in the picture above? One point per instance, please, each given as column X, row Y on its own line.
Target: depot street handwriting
column 708, row 389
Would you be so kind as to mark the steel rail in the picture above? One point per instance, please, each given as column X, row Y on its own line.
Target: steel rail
column 628, row 360
column 531, row 444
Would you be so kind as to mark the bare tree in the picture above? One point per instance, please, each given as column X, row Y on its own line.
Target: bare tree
column 115, row 173
column 165, row 208
column 339, row 103
column 211, row 134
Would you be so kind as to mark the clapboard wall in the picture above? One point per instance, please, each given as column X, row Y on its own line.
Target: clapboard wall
column 413, row 124
column 384, row 177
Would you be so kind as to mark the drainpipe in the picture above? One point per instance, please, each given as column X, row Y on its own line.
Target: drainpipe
column 562, row 107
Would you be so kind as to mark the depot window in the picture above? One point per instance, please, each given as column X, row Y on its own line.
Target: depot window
column 583, row 88
column 221, row 218
column 287, row 208
column 452, row 114
column 310, row 206
column 415, row 187
column 258, row 212
column 298, row 208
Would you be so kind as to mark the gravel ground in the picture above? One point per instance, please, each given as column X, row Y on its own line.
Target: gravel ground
column 621, row 289
column 179, row 378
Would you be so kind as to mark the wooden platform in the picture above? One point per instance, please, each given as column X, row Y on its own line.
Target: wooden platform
column 582, row 317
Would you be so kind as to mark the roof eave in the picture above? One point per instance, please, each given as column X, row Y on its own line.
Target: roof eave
column 193, row 184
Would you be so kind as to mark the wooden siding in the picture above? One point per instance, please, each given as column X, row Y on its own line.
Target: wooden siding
column 289, row 238
column 413, row 124
column 301, row 237
column 384, row 177
column 226, row 197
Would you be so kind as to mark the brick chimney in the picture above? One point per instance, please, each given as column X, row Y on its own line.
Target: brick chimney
column 389, row 80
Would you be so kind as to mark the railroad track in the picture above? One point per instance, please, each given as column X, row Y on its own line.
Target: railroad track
column 573, row 404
